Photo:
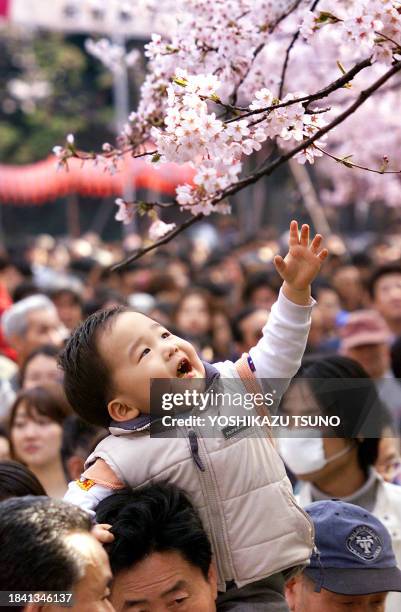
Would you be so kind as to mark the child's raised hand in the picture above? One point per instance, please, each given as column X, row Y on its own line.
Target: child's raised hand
column 301, row 264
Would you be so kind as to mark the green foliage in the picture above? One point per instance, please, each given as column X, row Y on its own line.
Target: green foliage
column 79, row 97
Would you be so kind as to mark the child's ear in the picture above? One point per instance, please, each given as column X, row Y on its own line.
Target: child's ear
column 120, row 411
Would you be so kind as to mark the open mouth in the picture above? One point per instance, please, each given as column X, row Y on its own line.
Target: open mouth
column 184, row 367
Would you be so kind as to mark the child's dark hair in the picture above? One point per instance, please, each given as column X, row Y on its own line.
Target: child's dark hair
column 87, row 380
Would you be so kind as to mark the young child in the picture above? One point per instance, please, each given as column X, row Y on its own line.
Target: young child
column 238, row 484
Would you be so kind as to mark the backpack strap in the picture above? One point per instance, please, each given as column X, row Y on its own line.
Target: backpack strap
column 246, row 371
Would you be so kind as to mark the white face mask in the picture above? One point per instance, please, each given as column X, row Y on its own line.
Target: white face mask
column 305, row 455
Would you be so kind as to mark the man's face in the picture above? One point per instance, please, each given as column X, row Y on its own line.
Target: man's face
column 43, row 327
column 374, row 358
column 137, row 349
column 251, row 328
column 301, row 597
column 69, row 310
column 387, row 298
column 91, row 593
column 164, row 582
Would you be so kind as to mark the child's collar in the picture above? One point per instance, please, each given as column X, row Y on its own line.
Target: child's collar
column 143, row 421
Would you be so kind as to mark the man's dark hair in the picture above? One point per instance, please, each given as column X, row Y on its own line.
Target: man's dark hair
column 87, row 379
column 35, row 553
column 79, row 438
column 156, row 518
column 386, row 270
column 16, row 480
column 236, row 322
column 258, row 280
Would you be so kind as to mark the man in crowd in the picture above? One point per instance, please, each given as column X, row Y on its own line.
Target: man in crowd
column 247, row 328
column 161, row 557
column 46, row 545
column 31, row 323
column 353, row 566
column 365, row 338
column 385, row 293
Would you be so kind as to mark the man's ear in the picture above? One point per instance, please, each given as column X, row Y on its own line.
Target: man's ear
column 120, row 411
column 212, row 578
column 290, row 592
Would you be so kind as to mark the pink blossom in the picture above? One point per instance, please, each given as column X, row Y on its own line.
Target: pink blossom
column 158, row 229
column 125, row 212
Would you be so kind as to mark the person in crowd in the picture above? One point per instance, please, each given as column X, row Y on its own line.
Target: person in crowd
column 353, row 566
column 161, row 557
column 395, row 354
column 47, row 545
column 247, row 328
column 330, row 313
column 385, row 292
column 108, row 364
column 193, row 319
column 79, row 440
column 340, row 463
column 4, row 444
column 16, row 480
column 365, row 338
column 388, row 462
column 347, row 283
column 69, row 306
column 41, row 368
column 260, row 291
column 36, row 430
column 31, row 323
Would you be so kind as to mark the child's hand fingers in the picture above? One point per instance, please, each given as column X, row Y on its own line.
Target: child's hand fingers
column 294, row 236
column 280, row 264
column 315, row 244
column 102, row 533
column 305, row 235
column 323, row 254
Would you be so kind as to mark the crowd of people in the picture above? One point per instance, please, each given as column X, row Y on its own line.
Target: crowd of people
column 147, row 536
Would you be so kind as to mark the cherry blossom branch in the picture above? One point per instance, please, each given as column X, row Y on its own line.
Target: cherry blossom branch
column 141, row 252
column 260, row 48
column 363, row 96
column 319, row 95
column 288, row 51
column 267, row 171
column 346, row 161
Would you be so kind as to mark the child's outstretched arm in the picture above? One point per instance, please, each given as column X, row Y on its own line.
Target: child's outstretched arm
column 279, row 352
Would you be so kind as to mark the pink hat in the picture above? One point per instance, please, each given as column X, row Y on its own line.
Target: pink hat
column 364, row 327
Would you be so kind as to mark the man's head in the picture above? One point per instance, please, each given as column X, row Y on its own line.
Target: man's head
column 79, row 440
column 353, row 566
column 31, row 323
column 46, row 545
column 247, row 327
column 161, row 556
column 385, row 293
column 365, row 338
column 111, row 358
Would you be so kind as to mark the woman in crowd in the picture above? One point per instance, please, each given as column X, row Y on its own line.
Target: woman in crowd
column 36, row 429
column 341, row 464
column 16, row 480
column 41, row 368
column 193, row 319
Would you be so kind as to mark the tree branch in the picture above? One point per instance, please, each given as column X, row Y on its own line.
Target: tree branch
column 288, row 51
column 155, row 245
column 363, row 96
column 346, row 161
column 322, row 93
column 267, row 171
column 258, row 49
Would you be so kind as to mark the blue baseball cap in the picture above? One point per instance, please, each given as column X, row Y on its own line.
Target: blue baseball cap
column 353, row 554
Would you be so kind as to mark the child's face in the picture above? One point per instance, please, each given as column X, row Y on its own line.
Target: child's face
column 137, row 349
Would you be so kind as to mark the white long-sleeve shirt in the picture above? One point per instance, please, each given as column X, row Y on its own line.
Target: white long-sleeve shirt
column 277, row 355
